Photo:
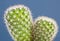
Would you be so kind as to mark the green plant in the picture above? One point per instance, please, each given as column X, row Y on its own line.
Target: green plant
column 18, row 22
column 45, row 29
column 21, row 27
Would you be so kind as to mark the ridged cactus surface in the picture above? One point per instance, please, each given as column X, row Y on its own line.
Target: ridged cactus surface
column 44, row 29
column 19, row 23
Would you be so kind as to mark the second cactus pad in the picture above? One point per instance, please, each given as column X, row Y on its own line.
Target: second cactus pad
column 19, row 23
column 44, row 29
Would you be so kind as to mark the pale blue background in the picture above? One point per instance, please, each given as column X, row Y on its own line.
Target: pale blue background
column 50, row 8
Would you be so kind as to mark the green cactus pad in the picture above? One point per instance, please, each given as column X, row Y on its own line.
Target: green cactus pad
column 44, row 30
column 19, row 23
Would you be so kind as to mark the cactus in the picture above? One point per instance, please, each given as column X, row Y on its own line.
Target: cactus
column 45, row 29
column 18, row 22
column 21, row 27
